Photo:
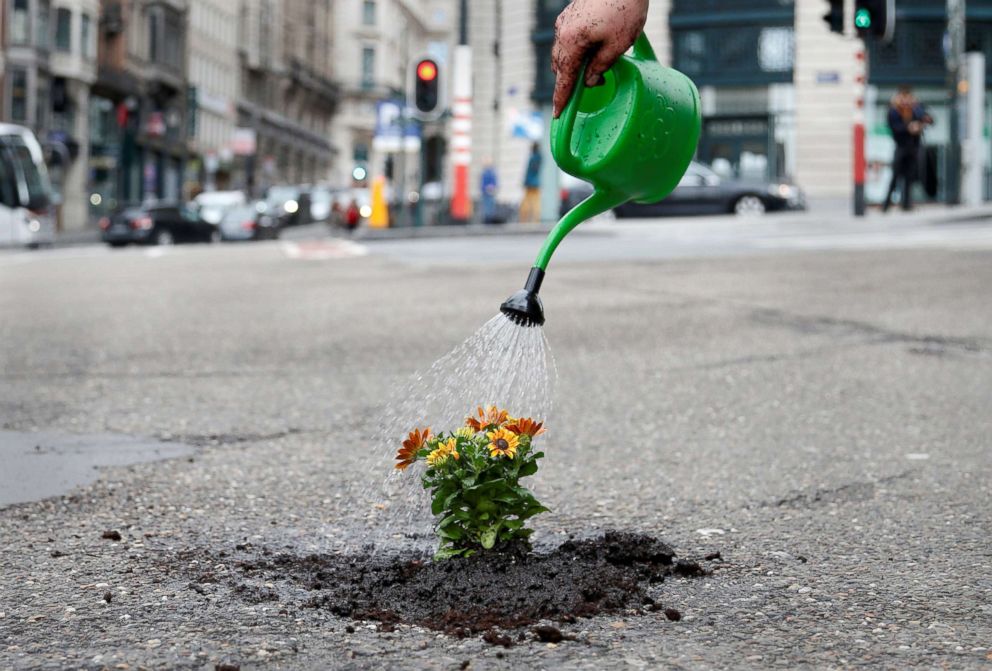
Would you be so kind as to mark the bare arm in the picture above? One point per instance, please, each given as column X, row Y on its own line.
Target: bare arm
column 599, row 29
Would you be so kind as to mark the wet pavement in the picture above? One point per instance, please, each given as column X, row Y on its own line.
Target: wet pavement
column 819, row 419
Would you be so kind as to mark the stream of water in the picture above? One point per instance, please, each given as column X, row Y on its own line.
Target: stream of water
column 502, row 364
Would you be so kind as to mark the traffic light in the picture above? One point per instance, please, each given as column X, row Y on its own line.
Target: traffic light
column 875, row 19
column 426, row 92
column 835, row 16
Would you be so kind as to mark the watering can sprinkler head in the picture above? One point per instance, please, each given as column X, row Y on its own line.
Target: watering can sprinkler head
column 525, row 307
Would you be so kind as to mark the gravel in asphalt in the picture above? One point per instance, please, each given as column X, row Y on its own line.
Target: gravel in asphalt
column 819, row 419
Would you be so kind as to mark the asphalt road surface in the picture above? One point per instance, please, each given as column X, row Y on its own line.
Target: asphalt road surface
column 816, row 411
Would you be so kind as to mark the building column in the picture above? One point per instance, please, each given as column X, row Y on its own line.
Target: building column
column 825, row 97
column 75, row 199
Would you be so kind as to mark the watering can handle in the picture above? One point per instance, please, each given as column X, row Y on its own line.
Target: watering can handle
column 643, row 48
column 561, row 142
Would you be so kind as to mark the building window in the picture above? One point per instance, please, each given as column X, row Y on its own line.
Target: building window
column 42, row 102
column 368, row 12
column 44, row 38
column 86, row 37
column 173, row 41
column 360, row 152
column 19, row 23
column 777, row 49
column 18, row 94
column 153, row 51
column 368, row 67
column 63, row 30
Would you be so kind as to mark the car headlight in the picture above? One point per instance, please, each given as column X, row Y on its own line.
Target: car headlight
column 784, row 191
column 291, row 206
column 34, row 225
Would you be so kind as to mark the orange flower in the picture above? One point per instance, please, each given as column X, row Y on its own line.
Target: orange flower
column 503, row 443
column 408, row 453
column 492, row 416
column 526, row 427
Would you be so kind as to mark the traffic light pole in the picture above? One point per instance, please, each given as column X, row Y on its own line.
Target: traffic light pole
column 858, row 125
column 955, row 58
column 461, row 125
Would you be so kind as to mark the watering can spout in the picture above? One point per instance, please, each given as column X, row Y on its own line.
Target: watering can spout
column 632, row 138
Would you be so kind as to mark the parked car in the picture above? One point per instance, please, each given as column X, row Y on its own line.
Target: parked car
column 291, row 204
column 702, row 191
column 211, row 206
column 249, row 222
column 156, row 224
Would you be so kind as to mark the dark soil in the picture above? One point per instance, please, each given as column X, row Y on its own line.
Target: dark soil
column 490, row 592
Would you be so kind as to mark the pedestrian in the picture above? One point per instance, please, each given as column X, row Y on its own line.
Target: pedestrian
column 489, row 186
column 530, row 207
column 907, row 121
column 598, row 30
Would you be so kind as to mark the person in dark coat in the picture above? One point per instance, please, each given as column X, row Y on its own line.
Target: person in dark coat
column 907, row 120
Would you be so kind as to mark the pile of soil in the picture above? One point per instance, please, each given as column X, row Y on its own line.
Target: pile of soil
column 507, row 589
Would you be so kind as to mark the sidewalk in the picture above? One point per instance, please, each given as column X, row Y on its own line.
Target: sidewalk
column 929, row 214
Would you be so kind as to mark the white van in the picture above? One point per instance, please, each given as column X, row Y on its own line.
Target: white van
column 26, row 211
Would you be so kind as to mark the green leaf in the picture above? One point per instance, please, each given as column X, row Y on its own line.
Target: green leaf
column 453, row 533
column 447, row 553
column 488, row 538
column 528, row 468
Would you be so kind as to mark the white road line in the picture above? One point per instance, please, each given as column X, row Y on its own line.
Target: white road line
column 323, row 250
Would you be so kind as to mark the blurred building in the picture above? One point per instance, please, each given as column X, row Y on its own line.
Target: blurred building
column 140, row 108
column 214, row 75
column 382, row 40
column 49, row 65
column 778, row 87
column 288, row 94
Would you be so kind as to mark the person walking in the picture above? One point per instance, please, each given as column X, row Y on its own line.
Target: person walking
column 489, row 185
column 530, row 207
column 907, row 121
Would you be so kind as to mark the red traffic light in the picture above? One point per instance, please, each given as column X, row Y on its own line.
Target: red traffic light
column 427, row 71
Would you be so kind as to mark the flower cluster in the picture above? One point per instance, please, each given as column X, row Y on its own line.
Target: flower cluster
column 473, row 476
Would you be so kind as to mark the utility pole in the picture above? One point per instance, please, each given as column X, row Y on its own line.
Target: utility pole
column 461, row 126
column 858, row 125
column 954, row 53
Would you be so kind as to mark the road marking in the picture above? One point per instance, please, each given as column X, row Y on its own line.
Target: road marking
column 323, row 250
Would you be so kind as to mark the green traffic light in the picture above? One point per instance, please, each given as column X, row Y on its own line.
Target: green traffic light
column 862, row 19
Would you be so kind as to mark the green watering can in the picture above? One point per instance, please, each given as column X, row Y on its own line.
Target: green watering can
column 632, row 138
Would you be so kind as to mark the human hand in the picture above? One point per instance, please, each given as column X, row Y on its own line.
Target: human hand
column 601, row 29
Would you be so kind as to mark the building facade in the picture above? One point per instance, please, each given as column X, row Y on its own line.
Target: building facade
column 288, row 94
column 214, row 76
column 778, row 87
column 384, row 39
column 140, row 105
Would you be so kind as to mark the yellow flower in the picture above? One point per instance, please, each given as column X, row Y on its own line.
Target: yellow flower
column 443, row 451
column 503, row 443
column 465, row 432
column 526, row 427
column 491, row 416
column 408, row 453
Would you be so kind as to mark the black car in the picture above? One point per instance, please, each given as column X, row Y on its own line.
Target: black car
column 290, row 204
column 702, row 191
column 156, row 224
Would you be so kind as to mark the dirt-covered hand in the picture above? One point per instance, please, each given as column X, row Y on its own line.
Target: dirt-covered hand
column 599, row 29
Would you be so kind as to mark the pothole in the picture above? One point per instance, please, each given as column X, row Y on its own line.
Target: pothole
column 486, row 593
